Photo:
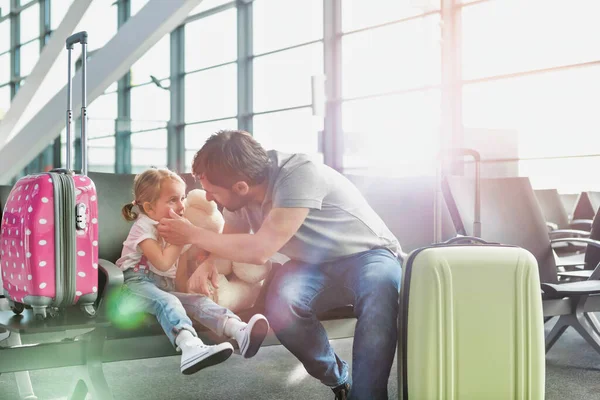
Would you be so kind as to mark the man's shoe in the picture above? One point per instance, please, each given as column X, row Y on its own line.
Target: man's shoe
column 195, row 358
column 254, row 334
column 342, row 391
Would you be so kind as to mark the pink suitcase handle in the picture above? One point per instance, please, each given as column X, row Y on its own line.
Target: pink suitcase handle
column 80, row 37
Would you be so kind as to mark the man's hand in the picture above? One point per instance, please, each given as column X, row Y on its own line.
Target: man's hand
column 176, row 230
column 206, row 271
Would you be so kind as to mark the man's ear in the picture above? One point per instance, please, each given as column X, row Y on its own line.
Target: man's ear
column 241, row 188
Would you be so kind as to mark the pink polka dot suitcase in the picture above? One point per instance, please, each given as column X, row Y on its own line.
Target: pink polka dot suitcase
column 49, row 243
column 49, row 234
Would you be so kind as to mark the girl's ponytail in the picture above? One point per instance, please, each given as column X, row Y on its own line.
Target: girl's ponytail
column 128, row 212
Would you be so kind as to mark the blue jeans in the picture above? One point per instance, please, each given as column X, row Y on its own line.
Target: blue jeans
column 370, row 281
column 154, row 294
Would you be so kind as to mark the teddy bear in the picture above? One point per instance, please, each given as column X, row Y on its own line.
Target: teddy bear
column 239, row 283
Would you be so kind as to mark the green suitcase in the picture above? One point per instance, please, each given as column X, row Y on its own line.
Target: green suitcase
column 471, row 323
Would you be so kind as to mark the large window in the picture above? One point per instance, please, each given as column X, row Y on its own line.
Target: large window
column 211, row 85
column 552, row 113
column 211, row 75
column 4, row 7
column 149, row 149
column 150, row 113
column 288, row 53
column 58, row 11
column 196, row 135
column 100, row 22
column 358, row 14
column 272, row 32
column 102, row 113
column 211, row 94
column 150, row 108
column 392, row 58
column 30, row 23
column 4, row 100
column 501, row 37
column 283, row 79
column 528, row 68
column 4, row 68
column 5, row 35
column 392, row 132
column 156, row 62
column 101, row 153
column 211, row 40
column 150, row 103
column 294, row 131
column 29, row 57
column 391, row 73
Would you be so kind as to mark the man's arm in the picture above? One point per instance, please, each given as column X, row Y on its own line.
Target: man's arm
column 277, row 229
column 181, row 277
column 206, row 271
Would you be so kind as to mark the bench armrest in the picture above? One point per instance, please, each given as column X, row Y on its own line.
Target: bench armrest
column 589, row 242
column 587, row 222
column 571, row 232
column 572, row 288
column 112, row 277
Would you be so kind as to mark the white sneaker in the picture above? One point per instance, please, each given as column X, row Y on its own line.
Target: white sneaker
column 253, row 335
column 197, row 357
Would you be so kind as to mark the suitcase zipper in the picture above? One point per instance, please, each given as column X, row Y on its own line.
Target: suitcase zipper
column 58, row 243
column 70, row 236
column 64, row 208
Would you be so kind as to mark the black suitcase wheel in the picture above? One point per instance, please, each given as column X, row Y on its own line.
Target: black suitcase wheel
column 17, row 307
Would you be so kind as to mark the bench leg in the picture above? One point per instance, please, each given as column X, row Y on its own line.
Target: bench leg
column 90, row 376
column 22, row 378
column 587, row 331
column 561, row 326
column 90, row 379
column 586, row 324
column 593, row 320
column 80, row 391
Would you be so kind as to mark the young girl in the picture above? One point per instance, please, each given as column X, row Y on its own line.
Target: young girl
column 153, row 283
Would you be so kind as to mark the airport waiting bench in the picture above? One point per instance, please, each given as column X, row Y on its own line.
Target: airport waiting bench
column 405, row 204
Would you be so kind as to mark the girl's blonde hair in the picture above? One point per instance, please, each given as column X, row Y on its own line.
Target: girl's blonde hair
column 146, row 188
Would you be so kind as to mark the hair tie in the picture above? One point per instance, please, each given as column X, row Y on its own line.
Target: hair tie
column 134, row 203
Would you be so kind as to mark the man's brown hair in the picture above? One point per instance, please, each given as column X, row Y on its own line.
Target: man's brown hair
column 230, row 156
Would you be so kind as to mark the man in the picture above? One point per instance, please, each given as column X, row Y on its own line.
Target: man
column 340, row 253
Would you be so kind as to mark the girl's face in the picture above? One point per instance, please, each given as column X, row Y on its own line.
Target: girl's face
column 171, row 197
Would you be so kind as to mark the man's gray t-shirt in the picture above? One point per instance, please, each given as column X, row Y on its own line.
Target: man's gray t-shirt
column 340, row 222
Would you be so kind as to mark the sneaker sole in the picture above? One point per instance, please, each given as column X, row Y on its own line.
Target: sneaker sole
column 214, row 359
column 257, row 336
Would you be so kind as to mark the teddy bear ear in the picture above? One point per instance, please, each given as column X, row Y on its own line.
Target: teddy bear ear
column 197, row 198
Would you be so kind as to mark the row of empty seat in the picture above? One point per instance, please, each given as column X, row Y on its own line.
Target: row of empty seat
column 568, row 211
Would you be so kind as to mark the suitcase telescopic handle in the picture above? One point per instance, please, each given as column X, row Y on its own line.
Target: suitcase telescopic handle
column 79, row 37
column 453, row 154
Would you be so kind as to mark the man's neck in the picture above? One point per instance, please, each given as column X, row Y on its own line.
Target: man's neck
column 258, row 193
